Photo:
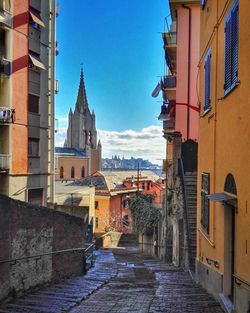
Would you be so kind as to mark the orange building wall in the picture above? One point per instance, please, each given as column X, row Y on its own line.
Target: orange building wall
column 19, row 131
column 182, row 70
column 224, row 141
column 67, row 163
column 102, row 212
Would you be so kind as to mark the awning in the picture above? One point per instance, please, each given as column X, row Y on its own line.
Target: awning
column 221, row 197
column 37, row 62
column 36, row 18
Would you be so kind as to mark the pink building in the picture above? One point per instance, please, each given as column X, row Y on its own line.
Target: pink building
column 180, row 116
column 180, row 85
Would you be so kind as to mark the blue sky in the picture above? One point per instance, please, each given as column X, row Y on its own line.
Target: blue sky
column 120, row 46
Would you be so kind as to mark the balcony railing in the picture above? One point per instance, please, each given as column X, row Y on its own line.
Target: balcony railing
column 5, row 67
column 7, row 115
column 169, row 38
column 169, row 124
column 169, row 81
column 5, row 18
column 4, row 162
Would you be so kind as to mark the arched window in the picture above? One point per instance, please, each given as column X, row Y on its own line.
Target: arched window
column 125, row 221
column 72, row 172
column 83, row 172
column 61, row 172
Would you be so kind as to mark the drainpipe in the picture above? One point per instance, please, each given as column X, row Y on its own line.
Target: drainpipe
column 189, row 64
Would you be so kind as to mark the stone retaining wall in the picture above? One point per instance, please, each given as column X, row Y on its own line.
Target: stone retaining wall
column 28, row 230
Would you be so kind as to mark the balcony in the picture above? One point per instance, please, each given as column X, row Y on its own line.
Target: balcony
column 56, row 49
column 4, row 163
column 7, row 115
column 5, row 68
column 169, row 123
column 56, row 86
column 170, row 46
column 169, row 87
column 5, row 17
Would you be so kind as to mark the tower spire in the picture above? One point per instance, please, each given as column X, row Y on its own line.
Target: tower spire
column 82, row 101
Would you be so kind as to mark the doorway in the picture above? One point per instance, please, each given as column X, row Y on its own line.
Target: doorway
column 230, row 213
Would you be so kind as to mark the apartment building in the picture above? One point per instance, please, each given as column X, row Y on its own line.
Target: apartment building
column 180, row 116
column 223, row 216
column 27, row 34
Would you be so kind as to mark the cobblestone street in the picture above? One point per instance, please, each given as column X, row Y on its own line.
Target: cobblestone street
column 129, row 283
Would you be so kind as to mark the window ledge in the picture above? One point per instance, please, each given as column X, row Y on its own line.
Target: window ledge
column 206, row 236
column 206, row 111
column 229, row 90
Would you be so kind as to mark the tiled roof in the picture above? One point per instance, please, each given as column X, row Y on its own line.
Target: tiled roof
column 70, row 152
column 97, row 181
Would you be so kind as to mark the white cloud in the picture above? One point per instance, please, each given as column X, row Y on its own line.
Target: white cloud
column 146, row 143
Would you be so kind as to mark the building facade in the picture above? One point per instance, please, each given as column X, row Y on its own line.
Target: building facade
column 81, row 154
column 180, row 115
column 223, row 217
column 27, row 34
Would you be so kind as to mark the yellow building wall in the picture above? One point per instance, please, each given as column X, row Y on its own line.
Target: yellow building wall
column 102, row 212
column 224, row 138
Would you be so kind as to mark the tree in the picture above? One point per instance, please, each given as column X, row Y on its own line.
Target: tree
column 145, row 215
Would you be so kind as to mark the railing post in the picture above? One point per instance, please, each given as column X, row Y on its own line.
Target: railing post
column 84, row 263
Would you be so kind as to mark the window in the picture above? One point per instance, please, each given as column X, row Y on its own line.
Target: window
column 35, row 196
column 61, row 172
column 33, row 147
column 33, row 104
column 203, row 3
column 96, row 205
column 148, row 185
column 231, row 48
column 72, row 172
column 125, row 203
column 207, row 82
column 205, row 183
column 143, row 186
column 83, row 172
column 96, row 222
column 125, row 221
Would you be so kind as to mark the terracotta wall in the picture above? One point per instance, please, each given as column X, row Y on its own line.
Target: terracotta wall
column 67, row 163
column 19, row 77
column 182, row 70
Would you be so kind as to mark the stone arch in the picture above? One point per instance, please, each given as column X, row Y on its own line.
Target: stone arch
column 83, row 172
column 72, row 172
column 61, row 172
column 230, row 185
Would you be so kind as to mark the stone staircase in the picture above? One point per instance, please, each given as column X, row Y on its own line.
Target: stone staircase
column 128, row 240
column 190, row 182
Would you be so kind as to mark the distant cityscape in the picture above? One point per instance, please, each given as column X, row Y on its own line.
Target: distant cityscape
column 117, row 162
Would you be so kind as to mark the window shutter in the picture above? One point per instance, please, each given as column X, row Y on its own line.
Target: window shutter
column 234, row 50
column 228, row 31
column 231, row 48
column 207, row 92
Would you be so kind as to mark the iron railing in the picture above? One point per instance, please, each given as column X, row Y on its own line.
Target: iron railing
column 169, row 81
column 88, row 259
column 181, row 175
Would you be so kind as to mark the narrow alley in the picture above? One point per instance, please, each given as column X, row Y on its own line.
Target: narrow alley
column 122, row 281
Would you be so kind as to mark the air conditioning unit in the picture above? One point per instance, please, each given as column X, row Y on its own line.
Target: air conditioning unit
column 5, row 17
column 5, row 67
column 6, row 115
